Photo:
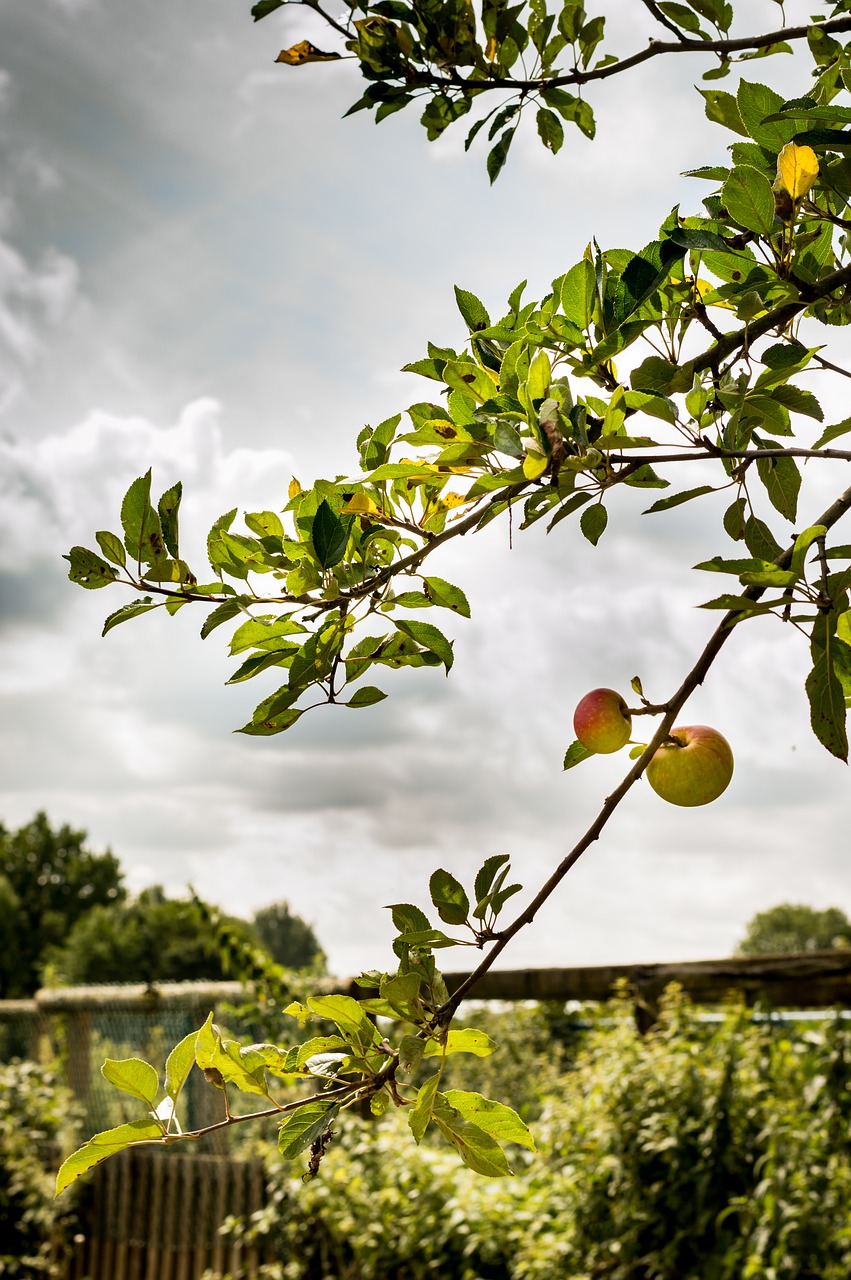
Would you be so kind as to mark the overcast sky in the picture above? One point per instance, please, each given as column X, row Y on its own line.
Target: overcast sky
column 205, row 270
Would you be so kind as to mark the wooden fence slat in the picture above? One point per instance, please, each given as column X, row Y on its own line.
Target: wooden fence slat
column 220, row 1200
column 154, row 1219
column 204, row 1212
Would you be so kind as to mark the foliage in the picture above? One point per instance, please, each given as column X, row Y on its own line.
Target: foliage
column 289, row 940
column 712, row 1150
column 534, row 415
column 150, row 938
column 48, row 881
column 794, row 927
column 35, row 1116
column 444, row 56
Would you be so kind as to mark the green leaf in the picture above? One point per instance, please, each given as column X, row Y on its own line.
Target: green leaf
column 748, row 198
column 411, row 1049
column 498, row 155
column 222, row 613
column 448, row 896
column 112, row 547
column 827, row 706
column 420, row 1115
column 408, row 918
column 578, row 294
column 264, row 7
column 128, row 611
column 300, row 1129
column 500, row 1121
column 755, row 102
column 782, row 481
column 133, row 1076
column 803, row 542
column 474, row 314
column 550, row 129
column 737, row 604
column 213, row 1053
column 366, row 696
column 319, row 1047
column 593, row 522
column 722, row 107
column 799, row 401
column 263, row 632
column 664, row 504
column 575, row 754
column 477, row 1149
column 103, row 1145
column 329, row 536
column 447, row 596
column 681, row 15
column 167, row 508
column 464, row 1040
column 642, row 276
column 654, row 375
column 178, row 1065
column 734, row 519
column 485, row 877
column 760, row 541
column 831, row 433
column 428, row 637
column 266, row 524
column 88, row 569
column 348, row 1016
column 142, row 531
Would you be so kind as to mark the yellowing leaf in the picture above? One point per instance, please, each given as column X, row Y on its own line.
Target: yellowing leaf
column 534, row 465
column 449, row 500
column 294, row 489
column 303, row 52
column 491, row 50
column 797, row 169
column 360, row 504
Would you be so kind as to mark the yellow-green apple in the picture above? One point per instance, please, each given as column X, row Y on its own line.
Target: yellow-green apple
column 693, row 766
column 602, row 722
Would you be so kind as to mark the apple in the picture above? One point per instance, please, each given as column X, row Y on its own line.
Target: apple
column 602, row 722
column 693, row 766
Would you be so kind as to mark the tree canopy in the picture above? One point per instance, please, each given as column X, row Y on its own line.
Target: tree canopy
column 792, row 926
column 682, row 364
column 48, row 881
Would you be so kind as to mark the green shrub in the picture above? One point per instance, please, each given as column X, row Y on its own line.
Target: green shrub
column 35, row 1116
column 703, row 1151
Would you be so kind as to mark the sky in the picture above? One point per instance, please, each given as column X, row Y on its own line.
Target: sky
column 206, row 271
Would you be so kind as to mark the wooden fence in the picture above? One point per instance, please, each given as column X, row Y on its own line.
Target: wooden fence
column 154, row 1215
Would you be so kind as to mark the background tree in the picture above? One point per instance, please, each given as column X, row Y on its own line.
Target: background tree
column 794, row 927
column 48, row 881
column 289, row 940
column 151, row 938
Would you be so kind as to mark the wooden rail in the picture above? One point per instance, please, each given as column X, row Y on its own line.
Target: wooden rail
column 804, row 980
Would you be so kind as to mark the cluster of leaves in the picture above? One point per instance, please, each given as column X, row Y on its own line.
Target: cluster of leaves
column 350, row 1060
column 703, row 1149
column 36, row 1115
column 515, row 424
column 445, row 55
